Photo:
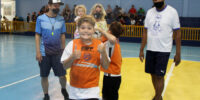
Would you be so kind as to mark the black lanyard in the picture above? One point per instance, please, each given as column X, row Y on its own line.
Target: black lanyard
column 52, row 24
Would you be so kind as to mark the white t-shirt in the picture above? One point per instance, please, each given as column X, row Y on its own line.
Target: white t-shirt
column 83, row 93
column 79, row 93
column 160, row 26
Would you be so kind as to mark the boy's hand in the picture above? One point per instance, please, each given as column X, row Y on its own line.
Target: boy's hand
column 76, row 54
column 108, row 35
column 101, row 48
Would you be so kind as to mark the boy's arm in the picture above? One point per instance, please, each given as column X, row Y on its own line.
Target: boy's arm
column 37, row 44
column 109, row 36
column 68, row 62
column 69, row 56
column 105, row 61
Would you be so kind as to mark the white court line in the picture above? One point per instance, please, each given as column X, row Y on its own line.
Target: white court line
column 168, row 78
column 33, row 77
column 19, row 81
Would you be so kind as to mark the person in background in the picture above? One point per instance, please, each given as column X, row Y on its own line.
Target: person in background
column 50, row 43
column 116, row 12
column 73, row 14
column 28, row 18
column 80, row 11
column 5, row 18
column 108, row 12
column 15, row 18
column 141, row 12
column 161, row 22
column 66, row 13
column 112, row 75
column 132, row 11
column 6, row 23
column 99, row 14
column 34, row 17
column 43, row 10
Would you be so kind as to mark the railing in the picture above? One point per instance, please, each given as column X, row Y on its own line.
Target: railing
column 17, row 26
column 190, row 33
column 130, row 30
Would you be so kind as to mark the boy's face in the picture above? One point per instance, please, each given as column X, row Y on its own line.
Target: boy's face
column 81, row 12
column 86, row 30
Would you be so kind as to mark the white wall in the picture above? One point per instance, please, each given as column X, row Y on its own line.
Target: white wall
column 13, row 9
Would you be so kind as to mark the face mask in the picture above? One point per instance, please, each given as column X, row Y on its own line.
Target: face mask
column 98, row 15
column 159, row 5
column 56, row 11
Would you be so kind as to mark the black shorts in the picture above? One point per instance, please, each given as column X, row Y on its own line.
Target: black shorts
column 111, row 87
column 156, row 62
column 51, row 61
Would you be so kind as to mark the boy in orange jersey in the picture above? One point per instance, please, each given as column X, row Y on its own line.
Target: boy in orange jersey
column 84, row 56
column 112, row 75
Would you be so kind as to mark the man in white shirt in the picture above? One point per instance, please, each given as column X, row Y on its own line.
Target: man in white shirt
column 160, row 23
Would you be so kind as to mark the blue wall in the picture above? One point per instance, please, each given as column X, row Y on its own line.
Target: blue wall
column 185, row 8
column 193, row 8
column 28, row 6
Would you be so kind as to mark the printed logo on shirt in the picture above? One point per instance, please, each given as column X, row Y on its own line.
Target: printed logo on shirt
column 162, row 71
column 87, row 56
column 156, row 25
column 86, row 48
column 86, row 64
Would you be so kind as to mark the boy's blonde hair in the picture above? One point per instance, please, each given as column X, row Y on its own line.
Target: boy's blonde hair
column 92, row 12
column 80, row 7
column 87, row 19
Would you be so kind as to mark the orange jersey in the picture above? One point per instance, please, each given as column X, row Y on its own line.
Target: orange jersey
column 85, row 72
column 114, row 52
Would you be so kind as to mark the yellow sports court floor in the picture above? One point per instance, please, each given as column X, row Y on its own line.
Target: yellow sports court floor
column 184, row 84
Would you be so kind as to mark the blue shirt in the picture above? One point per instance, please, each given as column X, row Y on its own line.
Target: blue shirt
column 50, row 30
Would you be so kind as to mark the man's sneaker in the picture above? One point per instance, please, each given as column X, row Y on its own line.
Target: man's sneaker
column 46, row 97
column 65, row 94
